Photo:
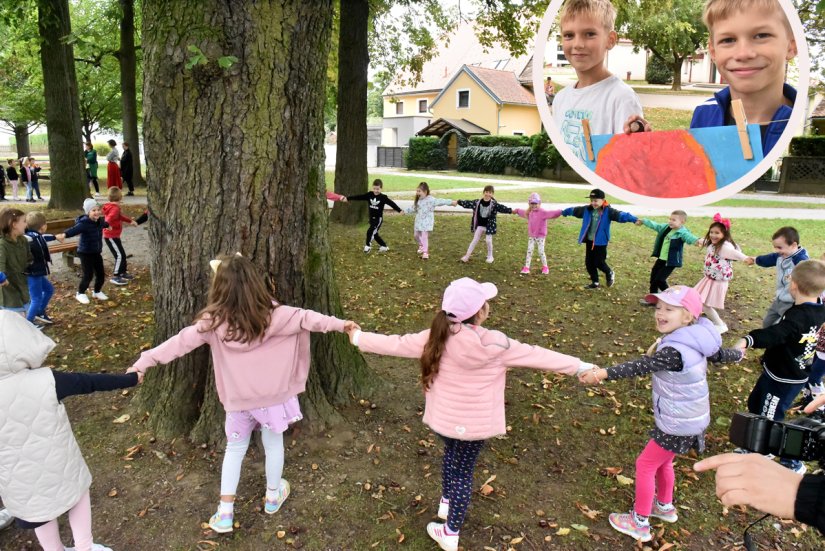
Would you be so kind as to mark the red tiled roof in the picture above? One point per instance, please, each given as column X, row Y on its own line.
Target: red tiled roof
column 463, row 49
column 504, row 85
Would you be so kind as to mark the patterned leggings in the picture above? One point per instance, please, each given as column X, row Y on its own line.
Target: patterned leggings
column 535, row 242
column 457, row 477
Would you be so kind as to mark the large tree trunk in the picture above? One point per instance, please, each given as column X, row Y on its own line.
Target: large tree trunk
column 67, row 168
column 21, row 139
column 128, row 90
column 351, row 155
column 246, row 144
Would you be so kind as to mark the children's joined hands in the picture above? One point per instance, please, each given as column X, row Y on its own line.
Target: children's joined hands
column 593, row 376
column 139, row 374
column 749, row 261
column 350, row 327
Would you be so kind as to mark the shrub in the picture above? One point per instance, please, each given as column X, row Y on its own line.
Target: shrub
column 461, row 139
column 657, row 71
column 546, row 153
column 102, row 149
column 808, row 146
column 500, row 141
column 425, row 153
column 493, row 160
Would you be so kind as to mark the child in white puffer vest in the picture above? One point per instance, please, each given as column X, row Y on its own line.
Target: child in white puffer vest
column 42, row 478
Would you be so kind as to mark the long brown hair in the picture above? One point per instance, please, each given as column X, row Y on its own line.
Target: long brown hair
column 7, row 218
column 440, row 330
column 240, row 298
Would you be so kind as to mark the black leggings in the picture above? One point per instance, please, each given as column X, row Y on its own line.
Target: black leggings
column 595, row 259
column 92, row 265
column 659, row 274
column 372, row 232
column 116, row 247
column 460, row 458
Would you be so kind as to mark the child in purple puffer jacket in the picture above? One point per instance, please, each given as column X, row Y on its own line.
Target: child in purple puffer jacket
column 537, row 219
column 681, row 401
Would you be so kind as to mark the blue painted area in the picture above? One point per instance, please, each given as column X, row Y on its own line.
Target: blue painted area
column 721, row 144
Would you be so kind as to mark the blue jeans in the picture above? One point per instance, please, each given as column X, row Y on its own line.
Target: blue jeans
column 41, row 291
column 28, row 190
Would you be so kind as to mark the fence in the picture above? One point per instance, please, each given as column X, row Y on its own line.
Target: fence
column 803, row 175
column 391, row 156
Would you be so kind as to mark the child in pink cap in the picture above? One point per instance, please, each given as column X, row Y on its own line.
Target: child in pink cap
column 537, row 219
column 681, row 404
column 463, row 372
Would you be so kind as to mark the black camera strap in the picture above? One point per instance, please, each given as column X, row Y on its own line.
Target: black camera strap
column 748, row 540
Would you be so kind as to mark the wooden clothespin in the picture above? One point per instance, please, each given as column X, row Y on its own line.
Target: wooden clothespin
column 742, row 128
column 588, row 144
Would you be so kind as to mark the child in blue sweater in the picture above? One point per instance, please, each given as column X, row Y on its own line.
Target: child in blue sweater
column 90, row 229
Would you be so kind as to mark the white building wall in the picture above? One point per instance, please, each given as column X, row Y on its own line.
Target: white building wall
column 330, row 151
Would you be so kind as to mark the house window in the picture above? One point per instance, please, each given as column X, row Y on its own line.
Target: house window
column 399, row 108
column 463, row 99
column 422, row 106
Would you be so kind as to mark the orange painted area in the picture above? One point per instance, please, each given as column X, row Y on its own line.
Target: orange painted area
column 669, row 164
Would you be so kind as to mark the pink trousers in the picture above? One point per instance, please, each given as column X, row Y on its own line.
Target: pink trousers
column 422, row 238
column 654, row 476
column 80, row 519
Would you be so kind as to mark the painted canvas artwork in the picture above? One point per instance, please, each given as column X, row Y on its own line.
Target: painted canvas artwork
column 674, row 163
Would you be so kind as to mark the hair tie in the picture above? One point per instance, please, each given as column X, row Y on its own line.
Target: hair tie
column 724, row 221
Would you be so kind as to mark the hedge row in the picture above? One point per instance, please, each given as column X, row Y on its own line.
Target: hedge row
column 493, row 160
column 425, row 153
column 495, row 141
column 808, row 146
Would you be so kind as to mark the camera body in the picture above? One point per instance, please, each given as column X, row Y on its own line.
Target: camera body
column 802, row 438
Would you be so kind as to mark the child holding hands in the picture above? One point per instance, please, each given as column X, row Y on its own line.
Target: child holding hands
column 484, row 220
column 537, row 219
column 678, row 362
column 463, row 372
column 424, row 209
column 42, row 471
column 260, row 354
column 721, row 250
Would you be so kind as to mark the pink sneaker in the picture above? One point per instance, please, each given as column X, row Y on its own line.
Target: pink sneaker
column 545, row 270
column 425, row 256
column 525, row 270
column 420, row 250
column 447, row 542
column 626, row 524
column 465, row 259
column 667, row 515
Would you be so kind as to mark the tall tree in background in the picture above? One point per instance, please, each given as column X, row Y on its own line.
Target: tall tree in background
column 234, row 93
column 128, row 76
column 67, row 170
column 99, row 98
column 351, row 151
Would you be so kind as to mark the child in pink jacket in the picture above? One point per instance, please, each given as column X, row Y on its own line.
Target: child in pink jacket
column 537, row 219
column 463, row 371
column 260, row 352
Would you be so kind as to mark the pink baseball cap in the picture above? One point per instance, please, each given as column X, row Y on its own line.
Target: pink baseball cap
column 679, row 295
column 464, row 297
column 534, row 198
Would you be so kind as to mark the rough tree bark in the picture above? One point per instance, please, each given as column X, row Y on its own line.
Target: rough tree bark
column 21, row 138
column 247, row 146
column 67, row 168
column 128, row 91
column 351, row 154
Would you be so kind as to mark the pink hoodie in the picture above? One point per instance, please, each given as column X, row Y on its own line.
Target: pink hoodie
column 466, row 399
column 257, row 374
column 537, row 220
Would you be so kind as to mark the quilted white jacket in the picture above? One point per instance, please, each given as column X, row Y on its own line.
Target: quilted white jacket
column 42, row 472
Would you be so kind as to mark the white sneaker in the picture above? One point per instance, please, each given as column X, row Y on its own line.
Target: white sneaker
column 383, row 249
column 95, row 547
column 445, row 541
column 99, row 296
column 367, row 249
column 489, row 260
column 721, row 328
column 82, row 298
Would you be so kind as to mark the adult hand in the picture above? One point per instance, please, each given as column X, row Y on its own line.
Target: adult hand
column 754, row 480
column 635, row 123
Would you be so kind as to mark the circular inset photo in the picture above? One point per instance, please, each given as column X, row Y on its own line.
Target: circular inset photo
column 694, row 104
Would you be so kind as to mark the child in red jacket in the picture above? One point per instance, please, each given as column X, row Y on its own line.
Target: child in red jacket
column 111, row 235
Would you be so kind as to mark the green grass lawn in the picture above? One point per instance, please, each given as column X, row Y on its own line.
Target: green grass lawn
column 663, row 118
column 668, row 92
column 562, row 438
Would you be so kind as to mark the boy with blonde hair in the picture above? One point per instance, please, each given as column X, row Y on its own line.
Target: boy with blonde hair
column 667, row 249
column 587, row 33
column 790, row 347
column 751, row 42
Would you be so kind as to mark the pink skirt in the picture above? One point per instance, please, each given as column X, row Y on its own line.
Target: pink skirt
column 713, row 292
column 240, row 424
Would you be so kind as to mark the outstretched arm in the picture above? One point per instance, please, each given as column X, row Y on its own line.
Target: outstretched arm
column 70, row 384
column 403, row 346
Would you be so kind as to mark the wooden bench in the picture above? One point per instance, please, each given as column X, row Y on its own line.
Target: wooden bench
column 69, row 248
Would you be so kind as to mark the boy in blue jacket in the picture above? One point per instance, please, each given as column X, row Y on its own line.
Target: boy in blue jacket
column 667, row 249
column 788, row 254
column 595, row 234
column 751, row 45
column 90, row 229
